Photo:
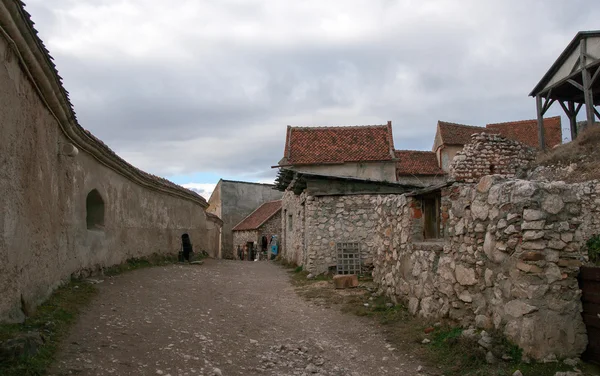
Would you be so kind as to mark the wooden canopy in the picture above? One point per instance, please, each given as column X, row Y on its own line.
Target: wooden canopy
column 572, row 81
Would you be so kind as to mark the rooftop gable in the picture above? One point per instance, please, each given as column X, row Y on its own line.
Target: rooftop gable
column 335, row 145
column 454, row 134
column 258, row 217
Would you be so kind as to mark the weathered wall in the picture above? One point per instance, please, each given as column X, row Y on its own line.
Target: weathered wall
column 292, row 227
column 382, row 171
column 509, row 260
column 43, row 234
column 237, row 201
column 446, row 154
column 240, row 238
column 213, row 228
column 271, row 227
column 322, row 221
column 490, row 154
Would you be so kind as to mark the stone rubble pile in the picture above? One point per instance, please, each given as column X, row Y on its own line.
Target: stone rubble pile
column 297, row 360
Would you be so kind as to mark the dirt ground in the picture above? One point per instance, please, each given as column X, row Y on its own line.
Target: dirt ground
column 221, row 318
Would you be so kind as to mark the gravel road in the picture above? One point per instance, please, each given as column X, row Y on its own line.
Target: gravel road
column 220, row 318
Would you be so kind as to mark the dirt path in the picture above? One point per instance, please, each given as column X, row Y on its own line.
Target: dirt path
column 224, row 317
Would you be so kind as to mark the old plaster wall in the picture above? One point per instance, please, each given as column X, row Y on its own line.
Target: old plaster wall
column 488, row 154
column 43, row 234
column 509, row 260
column 236, row 201
column 446, row 154
column 381, row 171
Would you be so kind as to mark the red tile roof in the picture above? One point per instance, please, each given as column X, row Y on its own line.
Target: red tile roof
column 258, row 217
column 526, row 131
column 416, row 162
column 456, row 134
column 332, row 145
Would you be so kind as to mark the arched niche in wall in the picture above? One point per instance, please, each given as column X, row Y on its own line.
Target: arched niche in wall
column 94, row 207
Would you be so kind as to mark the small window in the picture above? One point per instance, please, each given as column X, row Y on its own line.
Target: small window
column 94, row 206
column 431, row 215
column 492, row 169
column 290, row 222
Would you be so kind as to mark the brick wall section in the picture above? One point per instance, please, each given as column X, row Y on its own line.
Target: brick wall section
column 509, row 260
column 490, row 154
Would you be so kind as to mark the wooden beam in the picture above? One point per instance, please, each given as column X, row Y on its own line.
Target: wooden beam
column 587, row 93
column 576, row 65
column 547, row 105
column 564, row 107
column 596, row 112
column 579, row 105
column 540, row 119
column 594, row 77
column 576, row 84
column 572, row 120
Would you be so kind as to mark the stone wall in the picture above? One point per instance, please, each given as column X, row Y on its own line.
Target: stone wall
column 44, row 184
column 292, row 227
column 322, row 221
column 271, row 227
column 489, row 154
column 240, row 238
column 509, row 260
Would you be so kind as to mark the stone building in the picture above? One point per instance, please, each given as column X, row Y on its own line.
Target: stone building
column 70, row 205
column 450, row 138
column 257, row 229
column 232, row 201
column 327, row 218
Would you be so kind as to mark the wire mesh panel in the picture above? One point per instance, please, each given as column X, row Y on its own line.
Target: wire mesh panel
column 348, row 258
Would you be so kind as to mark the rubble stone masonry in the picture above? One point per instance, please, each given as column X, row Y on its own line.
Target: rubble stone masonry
column 322, row 222
column 509, row 259
column 489, row 154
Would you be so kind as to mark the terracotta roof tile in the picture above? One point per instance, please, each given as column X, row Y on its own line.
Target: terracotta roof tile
column 330, row 145
column 526, row 131
column 259, row 216
column 416, row 162
column 456, row 134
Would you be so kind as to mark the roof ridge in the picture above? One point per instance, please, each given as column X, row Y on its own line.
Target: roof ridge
column 522, row 121
column 307, row 127
column 461, row 125
column 256, row 210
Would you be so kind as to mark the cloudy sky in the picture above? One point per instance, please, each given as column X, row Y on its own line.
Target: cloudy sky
column 195, row 90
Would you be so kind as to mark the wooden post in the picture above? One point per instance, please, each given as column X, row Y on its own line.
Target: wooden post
column 572, row 120
column 540, row 119
column 587, row 92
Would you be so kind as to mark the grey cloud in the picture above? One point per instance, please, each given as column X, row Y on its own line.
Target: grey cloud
column 224, row 107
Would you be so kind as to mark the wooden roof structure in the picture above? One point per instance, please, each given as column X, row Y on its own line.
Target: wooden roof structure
column 573, row 81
